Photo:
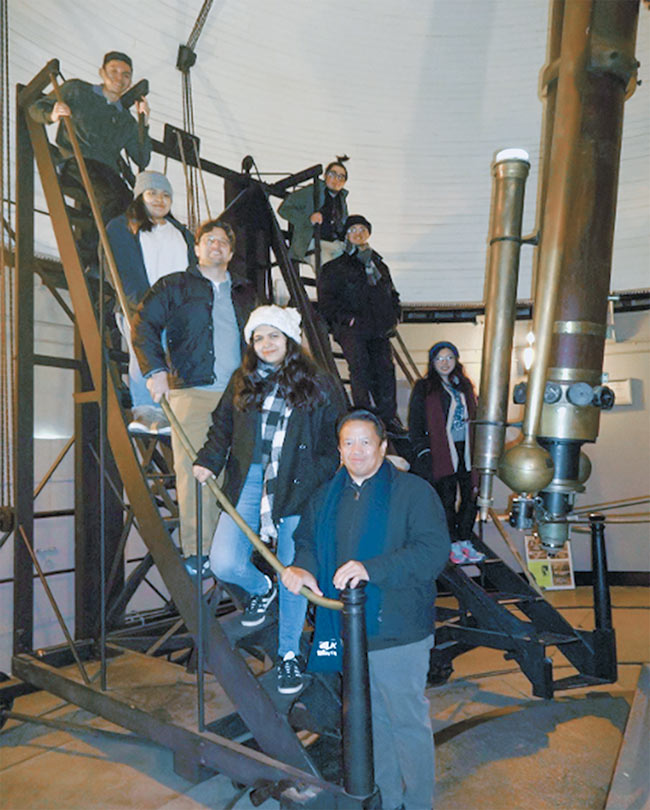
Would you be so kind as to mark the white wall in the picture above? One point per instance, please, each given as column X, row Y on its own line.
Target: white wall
column 419, row 94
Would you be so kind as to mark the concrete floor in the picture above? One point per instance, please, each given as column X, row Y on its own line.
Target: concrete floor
column 497, row 747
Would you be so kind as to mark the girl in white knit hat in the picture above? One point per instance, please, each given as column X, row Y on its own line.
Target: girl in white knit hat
column 274, row 431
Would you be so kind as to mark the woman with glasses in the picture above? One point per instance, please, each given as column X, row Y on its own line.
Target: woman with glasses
column 323, row 207
column 441, row 412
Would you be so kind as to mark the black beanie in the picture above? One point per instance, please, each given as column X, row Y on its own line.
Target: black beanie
column 117, row 56
column 357, row 219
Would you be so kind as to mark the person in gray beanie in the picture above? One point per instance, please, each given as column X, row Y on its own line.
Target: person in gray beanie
column 147, row 243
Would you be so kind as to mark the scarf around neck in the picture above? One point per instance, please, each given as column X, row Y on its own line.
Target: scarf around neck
column 273, row 423
column 326, row 652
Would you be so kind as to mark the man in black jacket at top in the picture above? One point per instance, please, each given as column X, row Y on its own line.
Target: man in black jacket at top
column 188, row 338
column 357, row 298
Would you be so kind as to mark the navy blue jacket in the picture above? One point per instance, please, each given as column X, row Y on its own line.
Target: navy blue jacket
column 413, row 553
column 181, row 305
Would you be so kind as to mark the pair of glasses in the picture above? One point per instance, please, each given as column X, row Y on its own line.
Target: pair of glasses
column 211, row 240
column 357, row 229
column 336, row 175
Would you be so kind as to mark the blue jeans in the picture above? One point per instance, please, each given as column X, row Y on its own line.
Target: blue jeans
column 230, row 559
column 137, row 384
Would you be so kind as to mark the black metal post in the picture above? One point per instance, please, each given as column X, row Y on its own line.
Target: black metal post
column 604, row 637
column 602, row 601
column 200, row 664
column 317, row 258
column 358, row 768
column 23, row 448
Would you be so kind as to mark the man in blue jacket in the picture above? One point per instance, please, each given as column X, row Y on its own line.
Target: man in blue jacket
column 388, row 528
column 188, row 338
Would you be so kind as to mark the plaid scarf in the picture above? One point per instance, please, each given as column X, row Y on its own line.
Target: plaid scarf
column 274, row 422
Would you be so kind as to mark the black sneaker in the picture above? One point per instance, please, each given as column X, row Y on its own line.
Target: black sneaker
column 192, row 566
column 257, row 606
column 290, row 679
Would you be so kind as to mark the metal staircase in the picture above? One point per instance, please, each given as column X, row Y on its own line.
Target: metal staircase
column 277, row 753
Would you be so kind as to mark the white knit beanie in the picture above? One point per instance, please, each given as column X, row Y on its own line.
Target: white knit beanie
column 286, row 319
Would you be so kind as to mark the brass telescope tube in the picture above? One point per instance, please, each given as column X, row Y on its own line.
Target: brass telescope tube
column 527, row 467
column 589, row 79
column 510, row 171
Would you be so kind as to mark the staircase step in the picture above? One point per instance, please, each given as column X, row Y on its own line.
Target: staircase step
column 578, row 681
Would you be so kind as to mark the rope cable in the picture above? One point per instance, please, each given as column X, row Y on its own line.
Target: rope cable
column 198, row 25
column 184, row 65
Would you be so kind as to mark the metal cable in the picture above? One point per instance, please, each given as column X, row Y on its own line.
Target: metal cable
column 6, row 287
column 198, row 25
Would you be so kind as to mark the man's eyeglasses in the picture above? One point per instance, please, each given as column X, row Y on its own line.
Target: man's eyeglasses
column 357, row 229
column 211, row 240
column 336, row 175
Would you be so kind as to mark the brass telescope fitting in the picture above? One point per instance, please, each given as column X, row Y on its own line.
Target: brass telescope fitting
column 510, row 171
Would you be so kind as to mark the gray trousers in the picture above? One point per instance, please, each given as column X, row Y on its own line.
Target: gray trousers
column 401, row 727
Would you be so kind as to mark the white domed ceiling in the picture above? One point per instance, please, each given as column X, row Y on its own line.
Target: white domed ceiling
column 419, row 94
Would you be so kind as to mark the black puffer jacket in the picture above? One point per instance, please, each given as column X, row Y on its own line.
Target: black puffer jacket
column 309, row 454
column 181, row 303
column 344, row 293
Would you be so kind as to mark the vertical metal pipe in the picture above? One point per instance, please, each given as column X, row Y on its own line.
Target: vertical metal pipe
column 358, row 768
column 317, row 261
column 510, row 171
column 200, row 666
column 602, row 599
column 103, row 405
column 23, row 448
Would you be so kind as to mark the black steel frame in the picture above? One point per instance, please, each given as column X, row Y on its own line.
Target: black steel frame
column 286, row 759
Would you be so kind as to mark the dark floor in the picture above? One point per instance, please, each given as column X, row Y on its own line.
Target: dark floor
column 497, row 747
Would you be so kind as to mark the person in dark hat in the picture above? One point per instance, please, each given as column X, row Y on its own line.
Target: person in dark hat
column 103, row 128
column 442, row 410
column 357, row 298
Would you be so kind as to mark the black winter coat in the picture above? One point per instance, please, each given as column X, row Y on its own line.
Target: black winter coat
column 344, row 293
column 413, row 554
column 309, row 454
column 181, row 303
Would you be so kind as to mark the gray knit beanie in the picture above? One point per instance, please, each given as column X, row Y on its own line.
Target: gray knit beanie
column 152, row 180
